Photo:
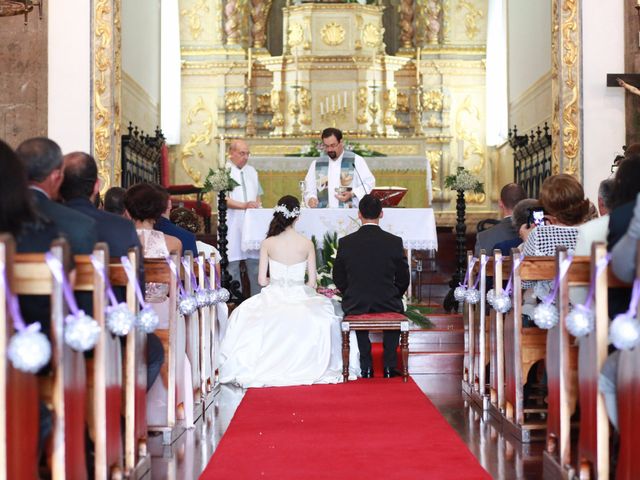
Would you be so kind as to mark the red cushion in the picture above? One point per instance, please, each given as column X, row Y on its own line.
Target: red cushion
column 183, row 189
column 377, row 316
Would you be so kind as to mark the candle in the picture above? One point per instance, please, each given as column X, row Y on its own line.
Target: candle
column 333, row 103
column 418, row 65
column 321, row 109
column 249, row 65
column 345, row 98
column 221, row 152
column 339, row 105
column 353, row 100
column 326, row 104
column 460, row 152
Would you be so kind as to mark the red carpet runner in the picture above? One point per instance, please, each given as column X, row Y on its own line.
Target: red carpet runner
column 367, row 429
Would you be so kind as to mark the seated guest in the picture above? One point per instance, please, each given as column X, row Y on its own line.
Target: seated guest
column 510, row 195
column 625, row 189
column 43, row 160
column 114, row 201
column 565, row 207
column 596, row 229
column 164, row 225
column 520, row 217
column 32, row 231
column 79, row 189
column 624, row 252
column 145, row 204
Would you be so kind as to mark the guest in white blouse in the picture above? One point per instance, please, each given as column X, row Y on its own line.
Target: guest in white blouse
column 246, row 195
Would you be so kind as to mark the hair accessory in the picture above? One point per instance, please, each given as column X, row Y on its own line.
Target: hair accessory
column 286, row 213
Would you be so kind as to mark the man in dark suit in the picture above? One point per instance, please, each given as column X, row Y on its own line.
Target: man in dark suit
column 79, row 189
column 510, row 195
column 167, row 227
column 43, row 159
column 372, row 273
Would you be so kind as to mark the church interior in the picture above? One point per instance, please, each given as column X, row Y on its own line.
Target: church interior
column 430, row 94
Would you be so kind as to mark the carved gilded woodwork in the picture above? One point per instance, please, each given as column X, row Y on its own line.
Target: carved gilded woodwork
column 434, row 157
column 432, row 100
column 468, row 124
column 264, row 103
column 259, row 17
column 363, row 101
column 276, row 107
column 406, row 23
column 332, row 34
column 295, row 35
column 372, row 35
column 232, row 22
column 199, row 121
column 403, row 102
column 194, row 16
column 304, row 100
column 471, row 17
column 234, row 101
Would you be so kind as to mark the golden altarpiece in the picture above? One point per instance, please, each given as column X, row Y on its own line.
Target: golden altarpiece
column 405, row 78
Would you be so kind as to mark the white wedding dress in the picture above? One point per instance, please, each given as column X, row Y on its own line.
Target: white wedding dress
column 285, row 335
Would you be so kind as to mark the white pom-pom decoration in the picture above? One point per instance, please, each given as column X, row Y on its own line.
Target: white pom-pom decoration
column 502, row 302
column 491, row 295
column 213, row 297
column 188, row 305
column 202, row 297
column 545, row 316
column 541, row 289
column 223, row 295
column 460, row 293
column 580, row 321
column 29, row 350
column 472, row 296
column 81, row 332
column 624, row 332
column 147, row 320
column 120, row 320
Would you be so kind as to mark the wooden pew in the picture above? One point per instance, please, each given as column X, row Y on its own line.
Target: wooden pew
column 628, row 390
column 207, row 316
column 480, row 358
column 522, row 348
column 501, row 271
column 104, row 373
column 468, row 312
column 19, row 409
column 192, row 324
column 173, row 339
column 137, row 460
column 561, row 364
column 66, row 386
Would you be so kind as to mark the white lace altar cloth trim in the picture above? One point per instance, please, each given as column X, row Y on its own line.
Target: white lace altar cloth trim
column 416, row 226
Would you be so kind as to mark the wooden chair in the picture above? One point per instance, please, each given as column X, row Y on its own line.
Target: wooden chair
column 19, row 408
column 376, row 321
column 501, row 271
column 192, row 324
column 104, row 372
column 522, row 348
column 137, row 460
column 173, row 338
column 628, row 390
column 65, row 389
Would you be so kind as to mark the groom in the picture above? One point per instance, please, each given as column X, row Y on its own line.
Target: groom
column 372, row 273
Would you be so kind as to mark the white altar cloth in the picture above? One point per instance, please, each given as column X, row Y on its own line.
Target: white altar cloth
column 416, row 226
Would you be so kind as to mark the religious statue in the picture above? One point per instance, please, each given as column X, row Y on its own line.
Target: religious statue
column 628, row 88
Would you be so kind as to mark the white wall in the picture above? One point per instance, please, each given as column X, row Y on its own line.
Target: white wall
column 69, row 75
column 141, row 44
column 602, row 107
column 529, row 43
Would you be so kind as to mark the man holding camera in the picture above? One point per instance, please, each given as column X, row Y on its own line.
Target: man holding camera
column 510, row 195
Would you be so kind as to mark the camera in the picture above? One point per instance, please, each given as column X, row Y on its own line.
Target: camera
column 536, row 217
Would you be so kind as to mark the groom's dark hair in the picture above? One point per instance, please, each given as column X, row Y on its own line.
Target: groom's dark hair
column 370, row 207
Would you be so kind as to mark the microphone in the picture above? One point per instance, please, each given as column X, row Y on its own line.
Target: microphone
column 360, row 178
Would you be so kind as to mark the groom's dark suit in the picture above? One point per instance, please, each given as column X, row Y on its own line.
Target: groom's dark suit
column 372, row 273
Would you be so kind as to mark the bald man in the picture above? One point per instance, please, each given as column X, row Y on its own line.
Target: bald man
column 245, row 195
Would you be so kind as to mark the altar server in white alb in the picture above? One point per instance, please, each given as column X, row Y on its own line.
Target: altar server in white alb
column 245, row 195
column 339, row 178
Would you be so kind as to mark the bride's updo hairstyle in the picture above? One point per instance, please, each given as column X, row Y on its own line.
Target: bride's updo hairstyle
column 285, row 213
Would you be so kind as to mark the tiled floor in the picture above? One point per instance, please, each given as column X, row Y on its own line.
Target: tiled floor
column 502, row 457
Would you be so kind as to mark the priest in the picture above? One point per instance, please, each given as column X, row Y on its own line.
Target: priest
column 339, row 177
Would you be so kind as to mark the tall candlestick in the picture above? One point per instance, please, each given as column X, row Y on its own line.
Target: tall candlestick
column 339, row 104
column 221, row 152
column 460, row 152
column 249, row 66
column 333, row 103
column 418, row 66
column 326, row 104
column 295, row 58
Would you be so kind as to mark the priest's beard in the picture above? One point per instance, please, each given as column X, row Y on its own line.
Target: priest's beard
column 332, row 155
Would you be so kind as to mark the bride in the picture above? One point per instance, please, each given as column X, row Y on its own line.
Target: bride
column 287, row 334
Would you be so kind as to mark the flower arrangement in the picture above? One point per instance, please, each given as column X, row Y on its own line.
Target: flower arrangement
column 416, row 314
column 464, row 180
column 219, row 180
column 314, row 149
